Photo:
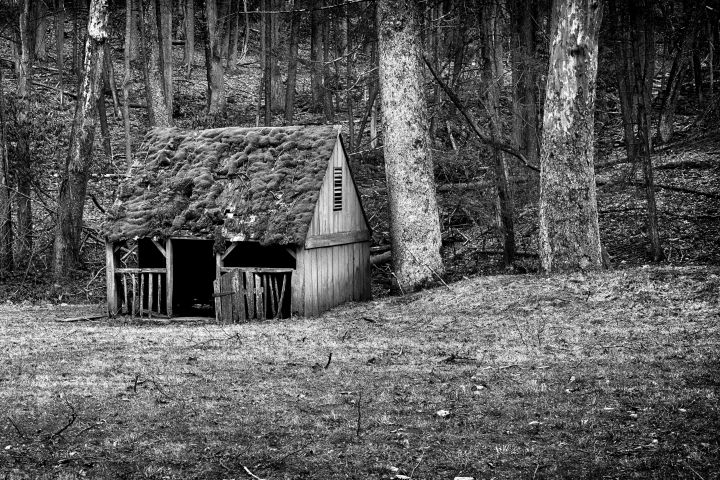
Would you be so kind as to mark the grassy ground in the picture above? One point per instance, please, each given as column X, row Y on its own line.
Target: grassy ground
column 610, row 375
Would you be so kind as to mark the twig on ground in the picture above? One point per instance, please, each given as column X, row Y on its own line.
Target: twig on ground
column 83, row 318
column 17, row 428
column 359, row 413
column 329, row 360
column 416, row 465
column 71, row 420
column 252, row 475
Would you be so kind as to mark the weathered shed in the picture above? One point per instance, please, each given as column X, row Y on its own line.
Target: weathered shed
column 250, row 222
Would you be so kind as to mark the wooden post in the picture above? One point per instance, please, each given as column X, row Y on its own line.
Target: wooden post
column 110, row 279
column 169, row 279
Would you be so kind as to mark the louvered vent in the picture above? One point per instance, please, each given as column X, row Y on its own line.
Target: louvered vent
column 337, row 189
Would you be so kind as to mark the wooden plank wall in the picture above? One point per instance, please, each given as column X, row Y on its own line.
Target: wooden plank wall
column 334, row 275
column 350, row 218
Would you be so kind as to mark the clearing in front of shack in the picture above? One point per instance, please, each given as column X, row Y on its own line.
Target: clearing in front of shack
column 612, row 374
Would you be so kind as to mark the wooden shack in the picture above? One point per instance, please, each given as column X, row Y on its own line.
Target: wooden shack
column 245, row 223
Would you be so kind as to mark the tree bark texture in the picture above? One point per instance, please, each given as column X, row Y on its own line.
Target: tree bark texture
column 164, row 29
column 71, row 198
column 414, row 221
column 295, row 18
column 277, row 87
column 156, row 101
column 215, row 20
column 267, row 60
column 189, row 36
column 569, row 235
column 127, row 80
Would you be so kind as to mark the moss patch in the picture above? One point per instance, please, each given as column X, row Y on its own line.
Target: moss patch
column 258, row 184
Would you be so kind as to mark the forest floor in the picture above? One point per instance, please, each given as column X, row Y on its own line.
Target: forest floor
column 605, row 375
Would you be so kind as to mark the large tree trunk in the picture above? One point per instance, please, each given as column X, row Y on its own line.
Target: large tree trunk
column 234, row 35
column 295, row 18
column 267, row 60
column 414, row 221
column 71, row 198
column 157, row 103
column 127, row 80
column 6, row 233
column 492, row 75
column 316, row 60
column 525, row 15
column 189, row 36
column 569, row 234
column 164, row 29
column 277, row 87
column 215, row 21
column 39, row 25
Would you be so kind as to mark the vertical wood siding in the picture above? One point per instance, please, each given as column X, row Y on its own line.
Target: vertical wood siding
column 334, row 275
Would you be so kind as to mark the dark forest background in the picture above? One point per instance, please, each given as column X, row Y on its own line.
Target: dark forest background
column 484, row 76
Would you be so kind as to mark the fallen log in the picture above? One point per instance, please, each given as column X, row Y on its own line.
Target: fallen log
column 381, row 259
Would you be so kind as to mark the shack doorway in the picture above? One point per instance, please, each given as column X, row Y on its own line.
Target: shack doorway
column 193, row 275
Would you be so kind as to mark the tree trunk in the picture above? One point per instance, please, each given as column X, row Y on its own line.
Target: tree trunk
column 71, row 198
column 349, row 77
column 267, row 60
column 234, row 36
column 278, row 90
column 569, row 234
column 157, row 104
column 215, row 21
column 40, row 21
column 23, row 72
column 295, row 18
column 414, row 221
column 127, row 80
column 642, row 26
column 23, row 167
column 697, row 70
column 6, row 233
column 327, row 88
column 164, row 30
column 76, row 39
column 316, row 59
column 189, row 36
column 59, row 42
column 492, row 74
column 525, row 79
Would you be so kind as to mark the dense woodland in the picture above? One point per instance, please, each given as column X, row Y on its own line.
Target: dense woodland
column 485, row 135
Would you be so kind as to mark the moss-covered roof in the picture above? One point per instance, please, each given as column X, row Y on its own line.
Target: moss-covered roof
column 255, row 184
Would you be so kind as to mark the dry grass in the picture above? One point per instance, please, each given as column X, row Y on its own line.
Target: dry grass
column 609, row 375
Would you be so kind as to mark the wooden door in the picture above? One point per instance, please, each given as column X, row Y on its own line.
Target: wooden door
column 243, row 294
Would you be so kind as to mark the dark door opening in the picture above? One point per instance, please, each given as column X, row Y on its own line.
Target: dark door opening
column 193, row 275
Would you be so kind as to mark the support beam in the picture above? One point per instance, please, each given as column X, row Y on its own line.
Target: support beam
column 169, row 279
column 110, row 279
column 229, row 250
column 159, row 247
